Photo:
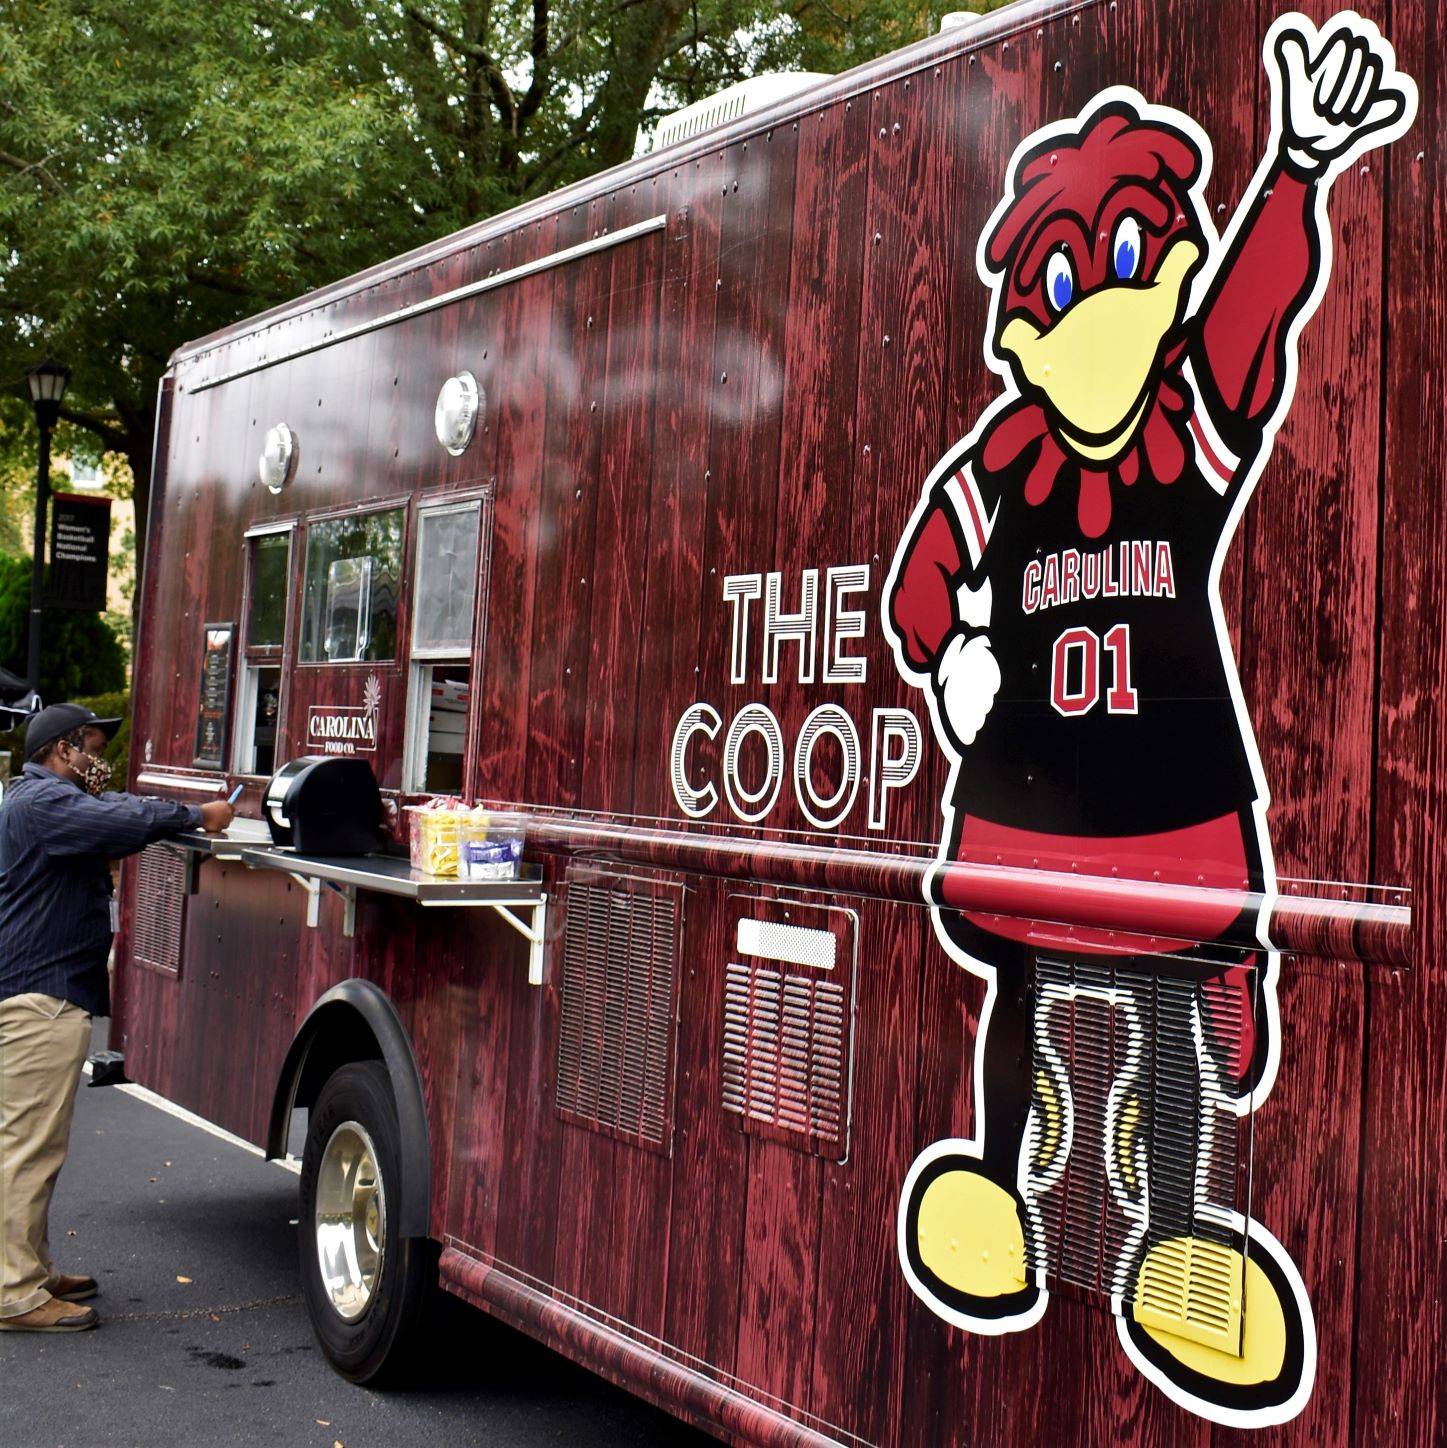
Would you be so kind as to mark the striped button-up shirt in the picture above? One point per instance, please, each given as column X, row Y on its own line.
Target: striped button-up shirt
column 55, row 883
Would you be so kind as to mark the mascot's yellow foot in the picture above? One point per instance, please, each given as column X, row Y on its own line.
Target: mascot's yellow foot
column 970, row 1236
column 1212, row 1309
column 1226, row 1334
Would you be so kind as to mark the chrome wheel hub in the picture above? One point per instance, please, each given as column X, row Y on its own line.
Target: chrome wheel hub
column 351, row 1220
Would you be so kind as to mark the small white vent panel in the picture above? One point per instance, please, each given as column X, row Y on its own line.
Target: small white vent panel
column 789, row 944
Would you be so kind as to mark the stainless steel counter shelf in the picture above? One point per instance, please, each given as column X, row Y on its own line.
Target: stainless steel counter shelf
column 243, row 835
column 383, row 875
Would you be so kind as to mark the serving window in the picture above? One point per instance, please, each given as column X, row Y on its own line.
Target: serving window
column 351, row 589
column 268, row 595
column 444, row 608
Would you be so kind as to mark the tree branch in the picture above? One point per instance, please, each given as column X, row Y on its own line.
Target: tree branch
column 545, row 164
column 202, row 277
column 595, row 24
column 542, row 64
column 109, row 433
column 449, row 38
column 496, row 80
column 700, row 31
column 17, row 163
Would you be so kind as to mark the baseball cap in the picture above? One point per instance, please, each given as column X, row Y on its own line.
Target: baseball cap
column 57, row 719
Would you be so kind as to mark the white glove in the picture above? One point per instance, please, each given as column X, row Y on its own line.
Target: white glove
column 967, row 678
column 1339, row 89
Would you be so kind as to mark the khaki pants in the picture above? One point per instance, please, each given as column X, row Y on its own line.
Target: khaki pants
column 43, row 1044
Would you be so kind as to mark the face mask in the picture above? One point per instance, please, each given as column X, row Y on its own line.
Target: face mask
column 95, row 773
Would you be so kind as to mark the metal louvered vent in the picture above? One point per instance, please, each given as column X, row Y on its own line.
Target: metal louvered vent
column 1138, row 1166
column 615, row 1034
column 160, row 908
column 786, row 1047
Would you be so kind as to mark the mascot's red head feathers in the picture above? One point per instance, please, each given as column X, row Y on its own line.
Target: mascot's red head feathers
column 1090, row 256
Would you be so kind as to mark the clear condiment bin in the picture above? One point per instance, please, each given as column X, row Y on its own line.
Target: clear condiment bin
column 433, row 834
column 490, row 844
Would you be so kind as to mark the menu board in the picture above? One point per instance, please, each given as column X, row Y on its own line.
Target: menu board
column 213, row 714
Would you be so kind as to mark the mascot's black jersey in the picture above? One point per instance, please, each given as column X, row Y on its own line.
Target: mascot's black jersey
column 1114, row 714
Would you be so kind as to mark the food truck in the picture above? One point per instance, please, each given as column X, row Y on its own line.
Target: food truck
column 946, row 575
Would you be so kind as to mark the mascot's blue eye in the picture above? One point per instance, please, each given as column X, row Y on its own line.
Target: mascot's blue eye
column 1125, row 248
column 1059, row 281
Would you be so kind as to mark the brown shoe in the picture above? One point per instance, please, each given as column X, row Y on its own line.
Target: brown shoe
column 72, row 1289
column 51, row 1316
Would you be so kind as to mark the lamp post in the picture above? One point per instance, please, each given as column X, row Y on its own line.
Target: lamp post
column 48, row 382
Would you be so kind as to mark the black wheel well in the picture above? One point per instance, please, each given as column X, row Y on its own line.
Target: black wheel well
column 338, row 1040
column 356, row 1021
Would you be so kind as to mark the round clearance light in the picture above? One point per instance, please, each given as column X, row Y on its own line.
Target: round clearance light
column 277, row 455
column 458, row 404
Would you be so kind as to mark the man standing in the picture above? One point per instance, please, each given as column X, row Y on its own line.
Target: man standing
column 57, row 914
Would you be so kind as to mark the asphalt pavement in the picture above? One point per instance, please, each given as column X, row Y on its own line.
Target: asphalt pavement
column 205, row 1340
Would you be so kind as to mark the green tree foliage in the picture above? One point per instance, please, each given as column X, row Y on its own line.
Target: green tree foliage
column 105, row 706
column 115, row 705
column 79, row 655
column 169, row 167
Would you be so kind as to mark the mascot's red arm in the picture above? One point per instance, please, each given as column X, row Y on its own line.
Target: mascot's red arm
column 1264, row 281
column 923, row 606
column 1336, row 93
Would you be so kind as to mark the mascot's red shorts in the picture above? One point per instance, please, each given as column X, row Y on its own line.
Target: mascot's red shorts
column 1213, row 856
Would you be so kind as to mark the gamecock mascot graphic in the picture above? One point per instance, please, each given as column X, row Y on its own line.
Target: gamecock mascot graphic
column 1056, row 596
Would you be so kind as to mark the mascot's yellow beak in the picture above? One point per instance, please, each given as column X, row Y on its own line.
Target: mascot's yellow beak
column 1096, row 363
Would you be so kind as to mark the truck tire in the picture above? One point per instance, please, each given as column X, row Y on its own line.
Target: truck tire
column 365, row 1284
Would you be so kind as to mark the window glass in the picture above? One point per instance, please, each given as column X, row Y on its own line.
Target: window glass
column 266, row 692
column 348, row 608
column 270, row 567
column 446, row 580
column 353, row 572
column 444, row 718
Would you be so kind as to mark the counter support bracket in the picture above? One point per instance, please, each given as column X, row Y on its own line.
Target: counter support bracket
column 533, row 929
column 534, row 933
column 313, row 888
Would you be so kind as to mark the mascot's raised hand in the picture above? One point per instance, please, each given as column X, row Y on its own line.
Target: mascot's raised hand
column 967, row 678
column 1337, row 90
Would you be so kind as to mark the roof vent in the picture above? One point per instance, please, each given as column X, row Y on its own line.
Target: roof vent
column 954, row 19
column 731, row 103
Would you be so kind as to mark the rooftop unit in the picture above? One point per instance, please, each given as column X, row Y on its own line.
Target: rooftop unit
column 731, row 103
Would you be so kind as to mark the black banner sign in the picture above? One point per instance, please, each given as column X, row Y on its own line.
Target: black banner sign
column 213, row 716
column 80, row 541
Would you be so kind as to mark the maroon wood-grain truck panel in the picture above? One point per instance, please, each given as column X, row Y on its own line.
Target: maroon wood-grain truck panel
column 762, row 409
